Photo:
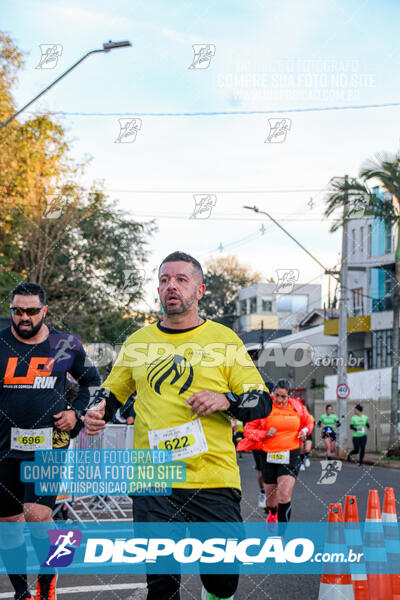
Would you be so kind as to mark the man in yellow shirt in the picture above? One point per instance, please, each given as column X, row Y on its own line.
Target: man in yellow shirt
column 190, row 375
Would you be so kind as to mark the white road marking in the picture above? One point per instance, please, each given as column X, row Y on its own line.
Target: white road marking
column 81, row 589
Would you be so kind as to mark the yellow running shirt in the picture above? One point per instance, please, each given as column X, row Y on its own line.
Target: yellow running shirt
column 165, row 368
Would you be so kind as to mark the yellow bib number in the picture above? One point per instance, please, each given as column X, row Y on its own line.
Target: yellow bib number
column 279, row 458
column 29, row 440
column 177, row 443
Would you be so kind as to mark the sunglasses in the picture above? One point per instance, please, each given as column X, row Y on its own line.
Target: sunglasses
column 16, row 310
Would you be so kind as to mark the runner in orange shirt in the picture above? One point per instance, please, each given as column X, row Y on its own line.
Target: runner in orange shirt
column 279, row 436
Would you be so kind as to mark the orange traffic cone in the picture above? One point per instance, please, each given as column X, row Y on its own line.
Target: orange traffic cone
column 390, row 531
column 354, row 543
column 375, row 553
column 338, row 586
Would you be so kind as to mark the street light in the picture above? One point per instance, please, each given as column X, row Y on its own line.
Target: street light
column 107, row 46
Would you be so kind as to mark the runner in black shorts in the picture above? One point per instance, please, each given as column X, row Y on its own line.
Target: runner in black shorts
column 259, row 457
column 279, row 435
column 179, row 396
column 306, row 449
column 34, row 361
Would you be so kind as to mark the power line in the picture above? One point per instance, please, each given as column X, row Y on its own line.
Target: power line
column 227, row 218
column 215, row 191
column 222, row 112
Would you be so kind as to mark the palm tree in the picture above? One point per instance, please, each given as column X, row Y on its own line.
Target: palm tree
column 353, row 194
column 385, row 168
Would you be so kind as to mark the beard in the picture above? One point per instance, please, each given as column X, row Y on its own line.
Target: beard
column 29, row 332
column 178, row 309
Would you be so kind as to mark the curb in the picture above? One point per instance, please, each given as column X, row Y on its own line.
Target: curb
column 378, row 461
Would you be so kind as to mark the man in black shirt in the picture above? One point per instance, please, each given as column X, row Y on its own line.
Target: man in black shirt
column 34, row 415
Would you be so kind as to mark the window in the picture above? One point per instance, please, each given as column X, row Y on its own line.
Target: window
column 243, row 307
column 361, row 239
column 266, row 304
column 381, row 349
column 388, row 238
column 353, row 241
column 369, row 240
column 253, row 304
column 289, row 303
column 357, row 301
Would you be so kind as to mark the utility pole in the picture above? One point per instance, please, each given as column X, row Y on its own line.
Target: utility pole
column 342, row 341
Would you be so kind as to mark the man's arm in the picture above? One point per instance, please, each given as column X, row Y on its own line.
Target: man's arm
column 249, row 406
column 87, row 376
column 113, row 393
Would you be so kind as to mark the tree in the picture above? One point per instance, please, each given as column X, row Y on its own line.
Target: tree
column 223, row 278
column 87, row 254
column 354, row 195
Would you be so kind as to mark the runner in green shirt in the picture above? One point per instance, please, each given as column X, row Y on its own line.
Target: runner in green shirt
column 358, row 424
column 329, row 422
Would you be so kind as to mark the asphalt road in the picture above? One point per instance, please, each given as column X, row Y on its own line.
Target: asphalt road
column 310, row 503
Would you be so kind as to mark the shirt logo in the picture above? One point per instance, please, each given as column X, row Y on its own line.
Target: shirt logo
column 38, row 374
column 161, row 368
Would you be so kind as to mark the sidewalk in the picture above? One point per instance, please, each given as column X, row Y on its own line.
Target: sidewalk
column 371, row 458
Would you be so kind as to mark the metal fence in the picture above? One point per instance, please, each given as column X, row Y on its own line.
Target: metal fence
column 96, row 508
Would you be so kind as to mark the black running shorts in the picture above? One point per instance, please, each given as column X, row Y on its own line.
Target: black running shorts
column 259, row 456
column 271, row 471
column 14, row 493
column 216, row 504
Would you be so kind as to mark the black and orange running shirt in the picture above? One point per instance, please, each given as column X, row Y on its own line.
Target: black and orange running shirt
column 32, row 385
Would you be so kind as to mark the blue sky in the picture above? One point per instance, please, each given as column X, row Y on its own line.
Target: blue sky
column 270, row 55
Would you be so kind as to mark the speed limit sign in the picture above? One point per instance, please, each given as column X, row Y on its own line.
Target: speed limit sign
column 342, row 391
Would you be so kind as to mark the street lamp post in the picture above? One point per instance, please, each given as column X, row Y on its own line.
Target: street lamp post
column 107, row 46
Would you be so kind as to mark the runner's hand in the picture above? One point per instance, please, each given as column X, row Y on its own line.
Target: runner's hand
column 303, row 433
column 65, row 420
column 271, row 432
column 93, row 419
column 256, row 435
column 205, row 403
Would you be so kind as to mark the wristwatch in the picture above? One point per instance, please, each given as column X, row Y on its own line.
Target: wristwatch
column 79, row 413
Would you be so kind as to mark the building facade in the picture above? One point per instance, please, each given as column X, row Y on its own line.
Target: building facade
column 371, row 246
column 264, row 304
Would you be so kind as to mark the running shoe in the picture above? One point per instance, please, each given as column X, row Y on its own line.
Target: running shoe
column 272, row 518
column 307, row 462
column 26, row 596
column 262, row 501
column 302, row 467
column 46, row 587
column 207, row 596
column 349, row 459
